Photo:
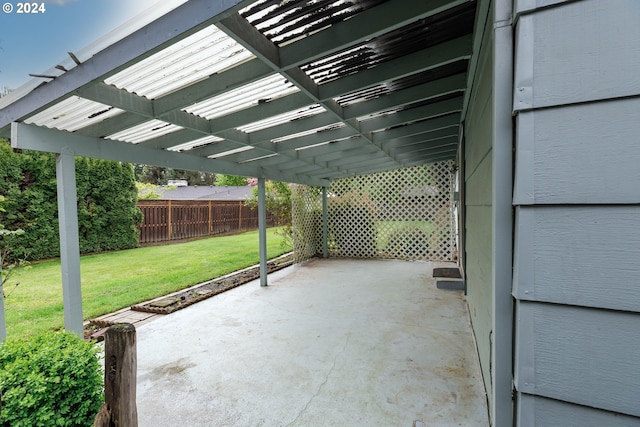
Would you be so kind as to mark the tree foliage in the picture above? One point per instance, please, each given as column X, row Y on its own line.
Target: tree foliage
column 8, row 263
column 278, row 204
column 230, row 180
column 106, row 194
column 158, row 175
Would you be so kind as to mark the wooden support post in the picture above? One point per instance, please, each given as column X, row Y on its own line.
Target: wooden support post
column 120, row 370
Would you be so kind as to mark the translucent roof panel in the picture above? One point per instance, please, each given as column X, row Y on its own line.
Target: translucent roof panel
column 263, row 90
column 286, row 21
column 145, row 131
column 308, row 132
column 266, row 156
column 266, row 88
column 201, row 142
column 72, row 114
column 312, row 110
column 229, row 152
column 320, row 144
column 206, row 52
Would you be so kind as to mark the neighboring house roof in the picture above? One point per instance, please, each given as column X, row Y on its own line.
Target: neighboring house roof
column 207, row 193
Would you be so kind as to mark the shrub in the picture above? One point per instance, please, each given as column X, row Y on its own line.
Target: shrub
column 50, row 380
column 107, row 214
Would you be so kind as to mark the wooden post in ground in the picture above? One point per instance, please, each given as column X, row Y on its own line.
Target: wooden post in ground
column 120, row 369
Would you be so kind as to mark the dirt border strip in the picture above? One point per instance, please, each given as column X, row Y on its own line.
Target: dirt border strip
column 149, row 310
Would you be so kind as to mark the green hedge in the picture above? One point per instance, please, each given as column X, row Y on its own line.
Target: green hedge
column 107, row 212
column 51, row 380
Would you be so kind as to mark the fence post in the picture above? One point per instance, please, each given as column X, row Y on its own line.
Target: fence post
column 169, row 219
column 210, row 216
column 239, row 215
column 120, row 369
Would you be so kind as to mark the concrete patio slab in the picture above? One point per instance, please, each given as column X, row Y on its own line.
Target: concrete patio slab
column 328, row 343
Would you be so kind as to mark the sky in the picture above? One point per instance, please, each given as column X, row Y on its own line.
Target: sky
column 36, row 42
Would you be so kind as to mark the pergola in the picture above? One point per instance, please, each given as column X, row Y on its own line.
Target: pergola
column 524, row 94
column 296, row 91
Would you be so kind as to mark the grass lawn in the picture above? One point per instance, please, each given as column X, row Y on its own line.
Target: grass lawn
column 114, row 280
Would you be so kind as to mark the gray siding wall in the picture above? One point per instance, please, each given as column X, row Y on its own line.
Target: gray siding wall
column 478, row 207
column 577, row 197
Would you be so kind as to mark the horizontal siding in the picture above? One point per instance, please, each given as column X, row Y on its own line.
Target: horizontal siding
column 573, row 53
column 582, row 255
column 580, row 355
column 577, row 235
column 540, row 411
column 585, row 153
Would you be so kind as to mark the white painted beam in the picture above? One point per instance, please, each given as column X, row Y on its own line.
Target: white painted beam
column 42, row 139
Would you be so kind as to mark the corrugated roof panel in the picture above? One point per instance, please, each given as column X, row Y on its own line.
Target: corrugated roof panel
column 320, row 144
column 72, row 114
column 308, row 132
column 386, row 88
column 196, row 51
column 376, row 115
column 309, row 111
column 411, row 38
column 206, row 52
column 259, row 158
column 201, row 142
column 263, row 90
column 286, row 21
column 145, row 131
column 229, row 152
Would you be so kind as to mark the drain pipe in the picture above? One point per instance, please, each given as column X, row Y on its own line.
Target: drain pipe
column 502, row 215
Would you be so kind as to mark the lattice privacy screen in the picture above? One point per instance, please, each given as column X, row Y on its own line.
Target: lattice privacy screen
column 405, row 213
column 306, row 221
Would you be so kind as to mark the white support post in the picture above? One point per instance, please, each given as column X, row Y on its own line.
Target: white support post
column 262, row 230
column 325, row 227
column 69, row 242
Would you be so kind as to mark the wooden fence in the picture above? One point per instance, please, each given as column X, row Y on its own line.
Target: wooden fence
column 184, row 219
